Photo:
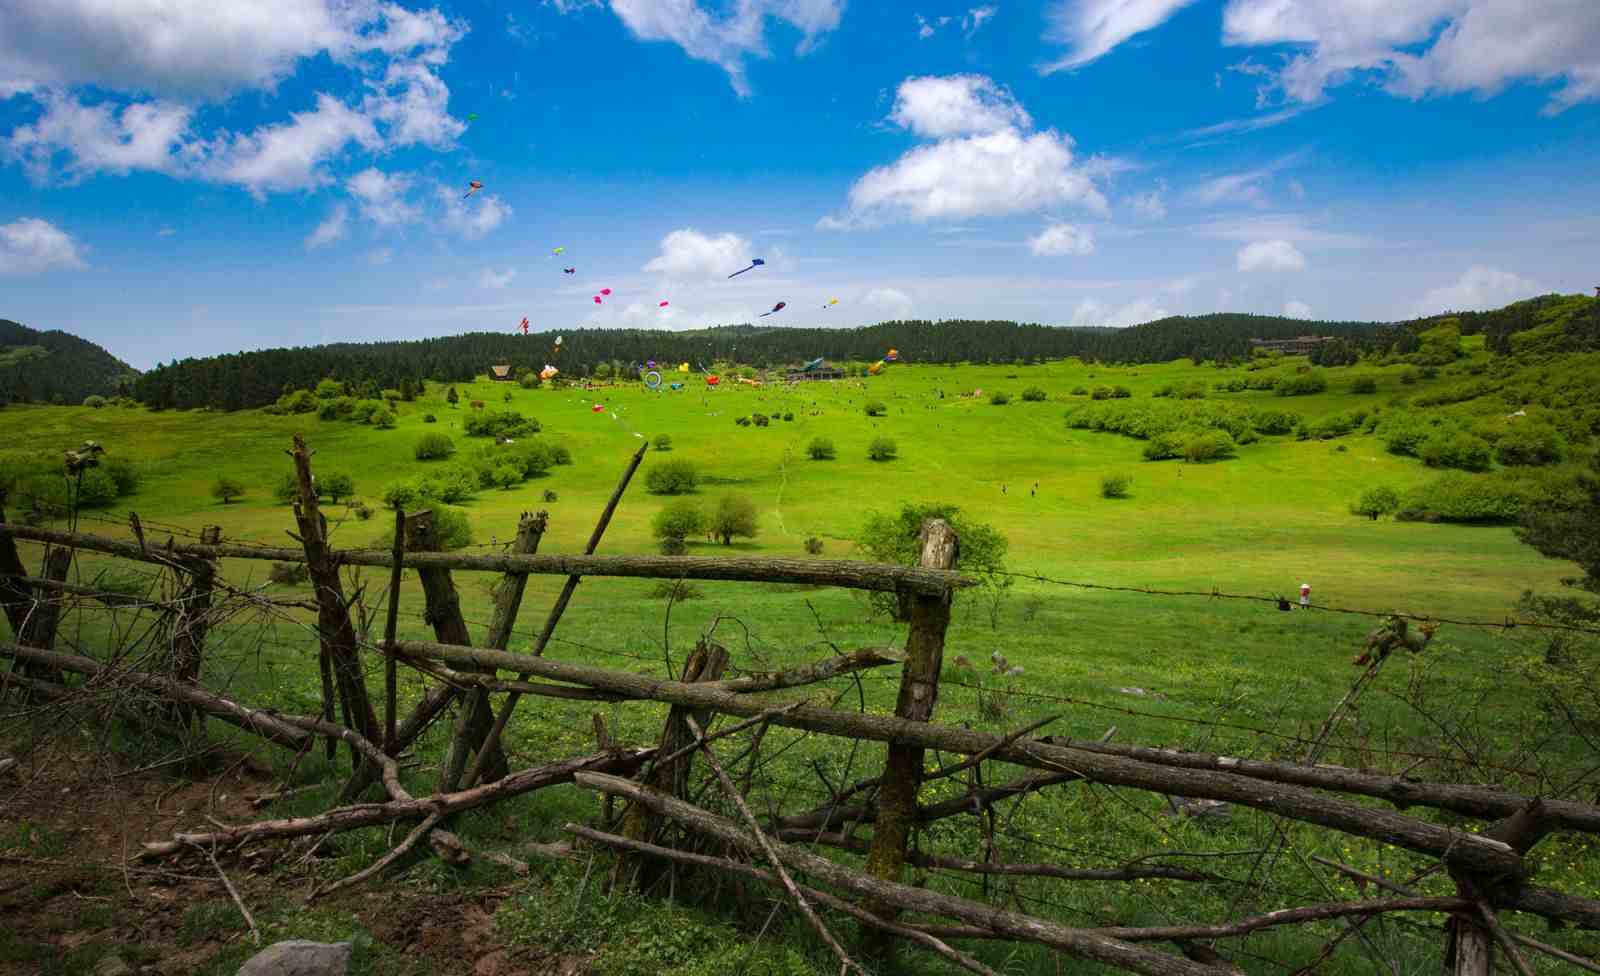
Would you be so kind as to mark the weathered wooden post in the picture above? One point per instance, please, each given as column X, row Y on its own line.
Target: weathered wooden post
column 32, row 618
column 507, row 603
column 443, row 612
column 337, row 635
column 706, row 662
column 191, row 620
column 919, row 693
column 1469, row 945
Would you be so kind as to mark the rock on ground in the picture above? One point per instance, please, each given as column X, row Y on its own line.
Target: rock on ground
column 299, row 957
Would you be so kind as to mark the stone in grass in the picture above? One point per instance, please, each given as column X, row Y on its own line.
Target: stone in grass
column 298, row 957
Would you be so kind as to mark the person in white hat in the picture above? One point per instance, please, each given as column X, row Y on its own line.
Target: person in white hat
column 1305, row 596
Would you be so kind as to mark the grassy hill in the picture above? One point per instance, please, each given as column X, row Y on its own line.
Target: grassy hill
column 55, row 367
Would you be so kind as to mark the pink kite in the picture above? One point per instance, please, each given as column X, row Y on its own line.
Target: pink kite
column 524, row 325
column 598, row 408
column 597, row 300
column 662, row 305
column 605, row 291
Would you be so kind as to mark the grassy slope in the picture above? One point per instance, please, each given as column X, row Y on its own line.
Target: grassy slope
column 1260, row 524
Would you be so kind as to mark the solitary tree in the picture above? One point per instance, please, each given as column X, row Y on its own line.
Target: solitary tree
column 227, row 489
column 882, row 449
column 735, row 515
column 677, row 522
column 451, row 397
column 336, row 484
column 672, row 478
column 1375, row 501
column 820, row 449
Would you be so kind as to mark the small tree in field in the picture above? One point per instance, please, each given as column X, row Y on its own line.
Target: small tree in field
column 676, row 522
column 663, row 442
column 451, row 397
column 820, row 449
column 508, row 397
column 226, row 489
column 735, row 515
column 999, row 398
column 1375, row 501
column 672, row 478
column 1115, row 485
column 337, row 484
column 882, row 449
column 875, row 408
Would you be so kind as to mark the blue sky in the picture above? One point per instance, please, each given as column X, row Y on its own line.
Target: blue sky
column 238, row 175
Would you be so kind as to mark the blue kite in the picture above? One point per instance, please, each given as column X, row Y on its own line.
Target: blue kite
column 754, row 263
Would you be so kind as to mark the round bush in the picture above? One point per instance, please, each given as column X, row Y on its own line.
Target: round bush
column 675, row 477
column 429, row 418
column 1375, row 501
column 1364, row 384
column 999, row 398
column 97, row 489
column 663, row 442
column 1115, row 485
column 820, row 449
column 94, row 401
column 1211, row 445
column 882, row 449
column 875, row 408
column 678, row 520
column 434, row 447
column 1033, row 395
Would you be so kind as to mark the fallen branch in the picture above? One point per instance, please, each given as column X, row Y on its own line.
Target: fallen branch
column 1076, row 942
column 372, row 869
column 255, row 933
column 1124, row 873
column 821, row 897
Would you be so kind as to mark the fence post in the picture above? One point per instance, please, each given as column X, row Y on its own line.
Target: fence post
column 32, row 617
column 191, row 621
column 706, row 662
column 443, row 611
column 1469, row 945
column 337, row 636
column 919, row 693
column 17, row 595
column 507, row 603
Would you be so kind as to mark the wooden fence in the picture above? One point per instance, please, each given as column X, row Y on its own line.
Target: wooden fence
column 869, row 826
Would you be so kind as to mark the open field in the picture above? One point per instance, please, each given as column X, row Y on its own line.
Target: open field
column 1161, row 669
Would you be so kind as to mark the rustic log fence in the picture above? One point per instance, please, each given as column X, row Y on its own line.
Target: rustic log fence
column 661, row 827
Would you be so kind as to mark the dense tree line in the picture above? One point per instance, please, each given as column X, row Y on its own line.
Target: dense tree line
column 254, row 379
column 56, row 367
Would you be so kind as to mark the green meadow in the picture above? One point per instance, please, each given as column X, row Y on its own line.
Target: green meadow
column 1161, row 669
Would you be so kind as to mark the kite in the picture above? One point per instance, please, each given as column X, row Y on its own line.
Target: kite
column 556, row 250
column 875, row 368
column 473, row 186
column 569, row 270
column 808, row 367
column 754, row 264
column 549, row 372
column 599, row 408
column 597, row 300
column 776, row 308
column 893, row 356
column 683, row 367
column 652, row 380
column 557, row 349
column 662, row 305
column 831, row 302
column 713, row 379
column 606, row 292
column 677, row 386
column 524, row 325
column 472, row 116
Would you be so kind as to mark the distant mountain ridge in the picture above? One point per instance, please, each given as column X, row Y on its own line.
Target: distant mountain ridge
column 255, row 379
column 53, row 365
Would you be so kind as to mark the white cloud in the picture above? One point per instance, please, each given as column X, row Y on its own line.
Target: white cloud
column 383, row 196
column 1091, row 28
column 689, row 253
column 1425, row 47
column 1286, row 227
column 1297, row 189
column 1479, row 287
column 289, row 155
column 977, row 17
column 1246, row 186
column 1275, row 255
column 472, row 218
column 165, row 232
column 490, row 278
column 956, row 105
column 1001, row 173
column 73, row 139
column 1297, row 310
column 1060, row 240
column 1254, row 123
column 725, row 41
column 1150, row 205
column 382, row 255
column 413, row 102
column 31, row 245
column 889, row 301
column 331, row 229
column 1093, row 312
column 201, row 50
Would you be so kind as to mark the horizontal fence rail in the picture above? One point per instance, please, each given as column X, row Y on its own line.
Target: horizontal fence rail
column 851, row 574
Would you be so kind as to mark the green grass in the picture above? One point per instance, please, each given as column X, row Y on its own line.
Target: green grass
column 1260, row 524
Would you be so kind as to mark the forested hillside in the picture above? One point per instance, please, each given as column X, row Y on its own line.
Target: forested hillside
column 55, row 366
column 254, row 379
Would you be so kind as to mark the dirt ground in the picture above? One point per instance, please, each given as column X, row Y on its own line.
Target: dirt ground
column 72, row 889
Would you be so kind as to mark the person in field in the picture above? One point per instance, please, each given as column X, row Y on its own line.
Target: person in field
column 1305, row 596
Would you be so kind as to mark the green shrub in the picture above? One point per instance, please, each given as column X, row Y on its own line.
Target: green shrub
column 329, row 388
column 125, row 473
column 1167, row 445
column 532, row 457
column 1452, row 448
column 1080, row 391
column 820, row 449
column 1335, row 425
column 335, row 485
column 451, row 528
column 433, row 447
column 1527, row 443
column 742, row 421
column 882, row 449
column 287, row 488
column 452, row 483
column 1458, row 497
column 1164, row 390
column 674, row 477
column 1115, row 485
column 1033, row 395
column 400, row 494
column 1375, row 501
column 1302, row 384
column 96, row 489
column 760, row 419
column 499, row 423
column 875, row 408
column 1364, row 384
column 1410, row 376
column 507, row 475
column 94, row 401
column 1211, row 445
column 383, row 419
column 561, row 454
column 366, row 411
column 429, row 418
column 678, row 520
column 1271, row 421
column 663, row 442
column 999, row 398
column 813, row 545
